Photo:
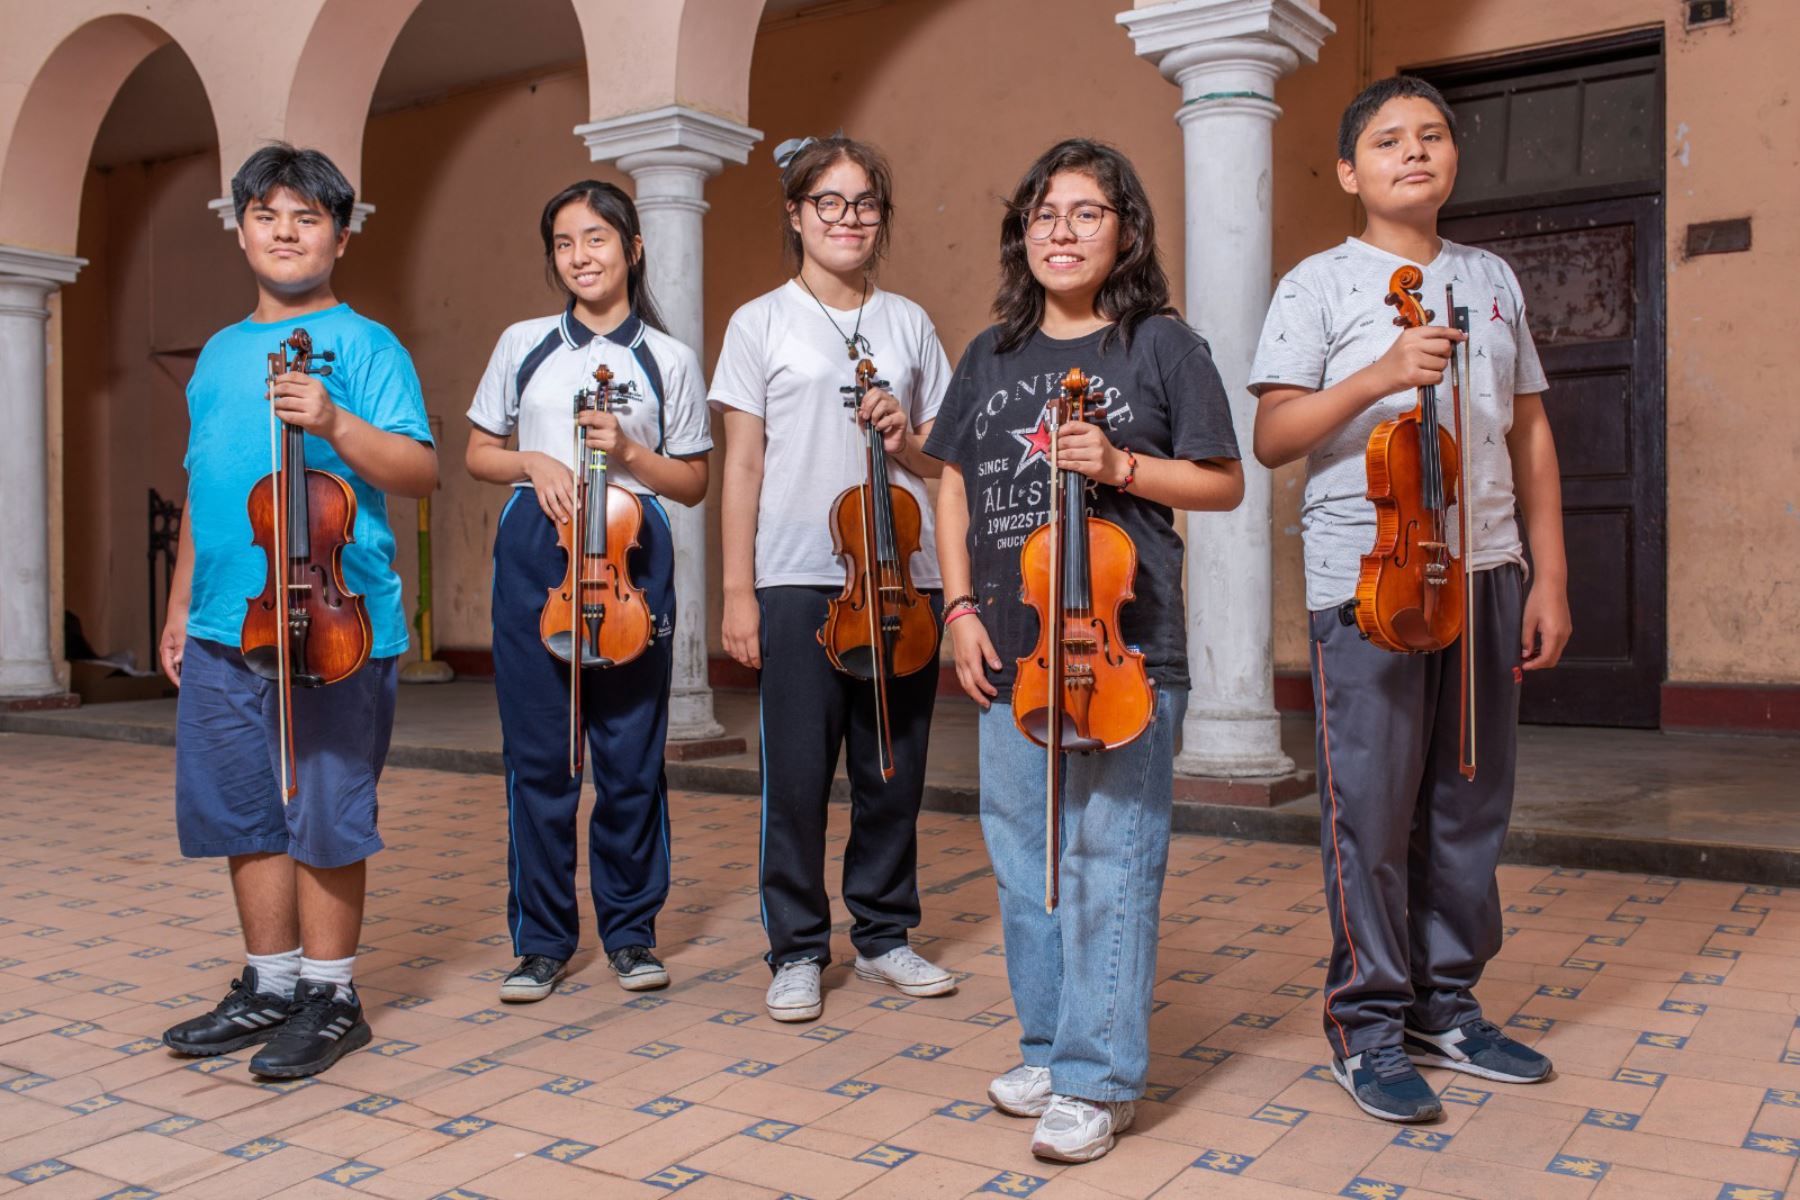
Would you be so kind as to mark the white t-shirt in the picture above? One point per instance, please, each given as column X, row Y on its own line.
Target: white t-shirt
column 1329, row 320
column 784, row 362
column 538, row 366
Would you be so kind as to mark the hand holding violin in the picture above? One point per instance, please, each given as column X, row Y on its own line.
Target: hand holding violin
column 880, row 409
column 1084, row 448
column 301, row 399
column 603, row 433
column 1418, row 358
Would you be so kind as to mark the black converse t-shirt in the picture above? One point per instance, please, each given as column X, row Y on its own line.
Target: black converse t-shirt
column 1161, row 397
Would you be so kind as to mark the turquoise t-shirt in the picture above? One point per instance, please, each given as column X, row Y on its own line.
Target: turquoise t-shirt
column 228, row 451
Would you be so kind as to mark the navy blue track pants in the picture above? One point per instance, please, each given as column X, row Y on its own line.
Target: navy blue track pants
column 626, row 711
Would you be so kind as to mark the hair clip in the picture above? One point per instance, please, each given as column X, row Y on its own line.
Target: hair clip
column 786, row 152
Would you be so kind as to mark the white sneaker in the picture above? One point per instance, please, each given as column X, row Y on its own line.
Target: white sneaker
column 794, row 992
column 1022, row 1092
column 904, row 969
column 1076, row 1130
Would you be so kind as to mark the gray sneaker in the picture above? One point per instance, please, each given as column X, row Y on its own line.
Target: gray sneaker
column 1022, row 1092
column 902, row 967
column 794, row 992
column 1077, row 1131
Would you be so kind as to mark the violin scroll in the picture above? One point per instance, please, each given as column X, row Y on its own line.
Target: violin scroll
column 1403, row 294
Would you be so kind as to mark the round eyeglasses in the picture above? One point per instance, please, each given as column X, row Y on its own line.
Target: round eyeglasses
column 833, row 208
column 1084, row 221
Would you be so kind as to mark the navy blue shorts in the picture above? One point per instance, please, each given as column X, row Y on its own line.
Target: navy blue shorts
column 227, row 799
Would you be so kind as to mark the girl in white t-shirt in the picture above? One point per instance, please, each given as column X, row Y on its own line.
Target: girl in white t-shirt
column 791, row 446
column 656, row 447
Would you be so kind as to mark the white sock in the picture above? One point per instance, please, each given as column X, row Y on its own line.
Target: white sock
column 330, row 970
column 276, row 974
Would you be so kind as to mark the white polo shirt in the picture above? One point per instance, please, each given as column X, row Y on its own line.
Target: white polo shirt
column 530, row 384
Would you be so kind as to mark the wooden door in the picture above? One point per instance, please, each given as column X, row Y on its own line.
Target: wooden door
column 1592, row 274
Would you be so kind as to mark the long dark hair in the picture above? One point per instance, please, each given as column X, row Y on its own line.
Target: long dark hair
column 818, row 156
column 613, row 206
column 1136, row 289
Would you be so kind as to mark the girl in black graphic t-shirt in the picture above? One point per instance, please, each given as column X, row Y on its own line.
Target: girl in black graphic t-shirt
column 1081, row 286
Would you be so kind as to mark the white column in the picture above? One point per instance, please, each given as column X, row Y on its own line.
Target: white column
column 670, row 153
column 1226, row 56
column 226, row 211
column 27, row 277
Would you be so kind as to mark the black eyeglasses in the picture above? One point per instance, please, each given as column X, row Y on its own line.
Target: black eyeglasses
column 1084, row 221
column 833, row 208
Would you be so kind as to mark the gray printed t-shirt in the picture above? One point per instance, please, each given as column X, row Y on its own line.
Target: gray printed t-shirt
column 1327, row 321
column 1159, row 396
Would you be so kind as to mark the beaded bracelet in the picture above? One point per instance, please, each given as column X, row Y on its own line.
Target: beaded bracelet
column 1130, row 471
column 966, row 600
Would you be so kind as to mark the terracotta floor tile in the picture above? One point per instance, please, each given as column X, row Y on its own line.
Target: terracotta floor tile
column 168, row 920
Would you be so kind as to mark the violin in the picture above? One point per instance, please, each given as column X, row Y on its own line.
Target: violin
column 307, row 628
column 879, row 627
column 1412, row 592
column 1081, row 689
column 596, row 617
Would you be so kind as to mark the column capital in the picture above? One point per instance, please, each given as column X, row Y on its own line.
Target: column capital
column 676, row 135
column 1250, row 43
column 226, row 211
column 20, row 265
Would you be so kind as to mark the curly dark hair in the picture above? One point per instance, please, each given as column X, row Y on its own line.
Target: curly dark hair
column 1138, row 287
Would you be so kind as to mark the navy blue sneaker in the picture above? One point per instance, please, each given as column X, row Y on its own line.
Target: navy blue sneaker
column 1385, row 1084
column 1477, row 1048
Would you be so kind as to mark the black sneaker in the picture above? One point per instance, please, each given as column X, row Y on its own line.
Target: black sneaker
column 638, row 969
column 321, row 1030
column 1478, row 1048
column 1385, row 1084
column 534, row 978
column 244, row 1017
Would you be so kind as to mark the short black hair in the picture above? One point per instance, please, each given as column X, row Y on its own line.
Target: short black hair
column 1368, row 102
column 307, row 173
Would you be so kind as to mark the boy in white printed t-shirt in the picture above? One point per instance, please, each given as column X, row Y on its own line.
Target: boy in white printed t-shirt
column 1409, row 845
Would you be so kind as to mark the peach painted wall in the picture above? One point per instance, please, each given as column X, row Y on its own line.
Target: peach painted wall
column 451, row 257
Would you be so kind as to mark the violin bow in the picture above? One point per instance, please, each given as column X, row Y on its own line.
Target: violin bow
column 577, row 538
column 278, row 496
column 1053, row 728
column 1459, row 370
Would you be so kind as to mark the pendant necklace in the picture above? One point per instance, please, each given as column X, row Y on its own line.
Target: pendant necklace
column 856, row 341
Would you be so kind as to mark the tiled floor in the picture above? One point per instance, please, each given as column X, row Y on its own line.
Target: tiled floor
column 1669, row 1006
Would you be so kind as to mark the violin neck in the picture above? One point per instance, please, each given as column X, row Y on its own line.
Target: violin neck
column 594, row 468
column 293, row 457
column 1077, row 593
column 881, row 504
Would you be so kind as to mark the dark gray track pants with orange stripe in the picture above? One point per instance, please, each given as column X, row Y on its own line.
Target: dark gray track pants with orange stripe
column 1409, row 845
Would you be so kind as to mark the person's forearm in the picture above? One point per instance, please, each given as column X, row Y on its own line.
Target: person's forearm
column 389, row 462
column 1216, row 485
column 494, row 463
column 181, row 580
column 682, row 480
column 1537, row 481
column 1290, row 426
column 912, row 456
column 953, row 533
column 739, row 497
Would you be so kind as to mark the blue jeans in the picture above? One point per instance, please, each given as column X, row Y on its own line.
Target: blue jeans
column 1082, row 976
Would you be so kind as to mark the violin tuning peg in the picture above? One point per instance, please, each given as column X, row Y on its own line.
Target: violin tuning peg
column 321, row 372
column 327, row 355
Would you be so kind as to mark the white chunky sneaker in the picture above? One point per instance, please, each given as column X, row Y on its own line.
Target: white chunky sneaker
column 1076, row 1130
column 794, row 992
column 1022, row 1092
column 903, row 968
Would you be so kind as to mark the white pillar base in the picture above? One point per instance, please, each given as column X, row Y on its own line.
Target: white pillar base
column 27, row 278
column 670, row 153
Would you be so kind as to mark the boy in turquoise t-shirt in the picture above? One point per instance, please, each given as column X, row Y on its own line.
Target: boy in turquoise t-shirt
column 297, row 870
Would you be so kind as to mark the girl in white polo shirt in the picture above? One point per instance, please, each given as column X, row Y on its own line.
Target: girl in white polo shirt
column 656, row 448
column 791, row 447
